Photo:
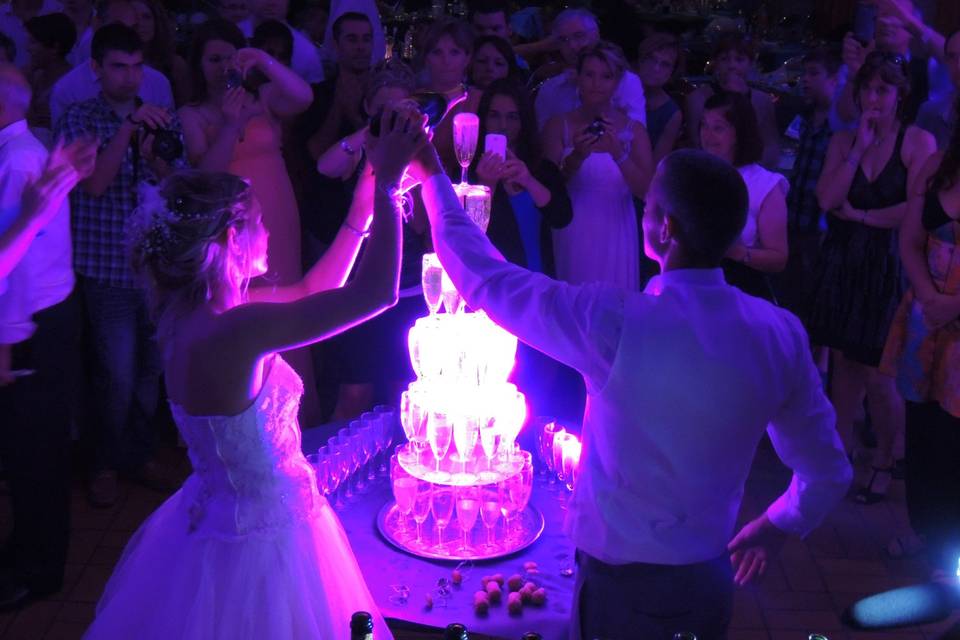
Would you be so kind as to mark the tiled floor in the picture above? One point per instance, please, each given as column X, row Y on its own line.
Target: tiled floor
column 804, row 591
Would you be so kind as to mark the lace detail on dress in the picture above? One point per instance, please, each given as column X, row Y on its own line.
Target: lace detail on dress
column 249, row 473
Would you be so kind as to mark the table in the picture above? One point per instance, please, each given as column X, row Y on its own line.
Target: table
column 384, row 566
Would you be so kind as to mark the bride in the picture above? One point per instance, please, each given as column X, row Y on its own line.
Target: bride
column 248, row 548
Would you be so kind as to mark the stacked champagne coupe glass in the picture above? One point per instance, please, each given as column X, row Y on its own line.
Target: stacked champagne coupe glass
column 461, row 417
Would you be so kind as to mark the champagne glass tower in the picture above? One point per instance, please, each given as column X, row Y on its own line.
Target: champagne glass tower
column 461, row 416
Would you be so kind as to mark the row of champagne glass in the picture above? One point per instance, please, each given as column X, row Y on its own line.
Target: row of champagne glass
column 559, row 451
column 351, row 459
column 467, row 349
column 425, row 501
column 438, row 416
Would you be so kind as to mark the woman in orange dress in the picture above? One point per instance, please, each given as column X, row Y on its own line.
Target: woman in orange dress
column 233, row 124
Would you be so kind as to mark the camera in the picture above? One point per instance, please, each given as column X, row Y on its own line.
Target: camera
column 251, row 84
column 166, row 144
column 596, row 127
column 432, row 105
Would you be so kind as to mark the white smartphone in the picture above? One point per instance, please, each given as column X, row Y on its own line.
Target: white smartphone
column 497, row 144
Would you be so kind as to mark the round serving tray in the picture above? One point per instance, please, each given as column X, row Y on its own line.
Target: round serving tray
column 527, row 528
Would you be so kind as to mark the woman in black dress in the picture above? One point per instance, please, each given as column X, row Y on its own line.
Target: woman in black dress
column 859, row 279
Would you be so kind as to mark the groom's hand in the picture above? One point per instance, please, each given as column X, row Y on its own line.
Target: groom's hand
column 751, row 550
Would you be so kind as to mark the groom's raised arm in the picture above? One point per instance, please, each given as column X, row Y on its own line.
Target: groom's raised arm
column 577, row 325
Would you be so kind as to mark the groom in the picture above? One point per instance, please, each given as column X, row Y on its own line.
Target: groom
column 683, row 380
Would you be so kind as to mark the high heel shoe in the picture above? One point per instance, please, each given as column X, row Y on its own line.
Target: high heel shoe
column 869, row 494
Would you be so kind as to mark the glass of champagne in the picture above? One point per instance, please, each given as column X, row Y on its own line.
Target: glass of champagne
column 388, row 426
column 441, row 503
column 338, row 469
column 541, row 425
column 514, row 413
column 359, row 459
column 466, row 131
column 432, row 276
column 404, row 491
column 510, row 494
column 421, row 507
column 468, row 508
column 477, row 202
column 419, row 399
column 370, row 422
column 489, row 442
column 452, row 301
column 466, row 430
column 439, row 436
column 490, row 511
column 550, row 433
column 526, row 483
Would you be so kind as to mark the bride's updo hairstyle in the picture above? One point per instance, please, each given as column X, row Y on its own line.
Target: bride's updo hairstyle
column 178, row 238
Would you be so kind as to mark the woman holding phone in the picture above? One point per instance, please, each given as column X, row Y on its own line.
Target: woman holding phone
column 606, row 159
column 529, row 195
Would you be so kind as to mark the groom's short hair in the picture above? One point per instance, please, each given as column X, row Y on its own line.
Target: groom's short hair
column 707, row 198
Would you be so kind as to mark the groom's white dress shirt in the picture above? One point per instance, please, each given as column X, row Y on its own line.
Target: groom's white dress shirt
column 683, row 379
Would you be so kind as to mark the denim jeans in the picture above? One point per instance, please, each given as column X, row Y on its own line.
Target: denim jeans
column 126, row 375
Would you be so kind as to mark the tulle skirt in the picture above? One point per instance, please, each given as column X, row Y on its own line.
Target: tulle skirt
column 302, row 581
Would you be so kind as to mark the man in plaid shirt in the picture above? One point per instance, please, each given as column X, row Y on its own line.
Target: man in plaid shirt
column 126, row 364
column 805, row 220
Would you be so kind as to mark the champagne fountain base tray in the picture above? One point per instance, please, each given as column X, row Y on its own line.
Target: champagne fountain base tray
column 525, row 530
column 477, row 470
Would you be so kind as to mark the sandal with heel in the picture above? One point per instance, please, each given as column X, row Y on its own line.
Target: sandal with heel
column 869, row 494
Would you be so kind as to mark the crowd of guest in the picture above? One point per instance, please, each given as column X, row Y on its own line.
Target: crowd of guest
column 857, row 237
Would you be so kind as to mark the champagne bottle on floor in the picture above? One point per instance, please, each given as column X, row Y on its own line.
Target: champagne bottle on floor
column 361, row 626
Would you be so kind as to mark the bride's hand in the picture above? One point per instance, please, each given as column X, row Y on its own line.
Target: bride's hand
column 401, row 136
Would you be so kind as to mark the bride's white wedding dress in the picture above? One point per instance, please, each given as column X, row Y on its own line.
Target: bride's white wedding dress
column 247, row 548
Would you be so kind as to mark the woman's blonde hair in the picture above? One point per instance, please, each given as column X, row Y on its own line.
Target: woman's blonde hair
column 178, row 238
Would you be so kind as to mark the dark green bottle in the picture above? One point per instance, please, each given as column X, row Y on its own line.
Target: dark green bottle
column 361, row 626
column 455, row 631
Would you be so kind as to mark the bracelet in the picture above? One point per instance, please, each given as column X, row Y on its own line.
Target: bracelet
column 358, row 232
column 746, row 256
column 347, row 148
column 392, row 191
column 623, row 158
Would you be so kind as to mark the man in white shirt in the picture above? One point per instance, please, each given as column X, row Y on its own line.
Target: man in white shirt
column 14, row 16
column 82, row 83
column 367, row 8
column 39, row 344
column 576, row 30
column 683, row 380
column 306, row 56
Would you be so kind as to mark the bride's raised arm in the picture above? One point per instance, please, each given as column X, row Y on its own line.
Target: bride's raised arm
column 322, row 311
column 332, row 268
